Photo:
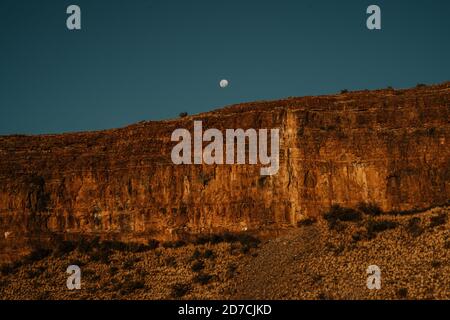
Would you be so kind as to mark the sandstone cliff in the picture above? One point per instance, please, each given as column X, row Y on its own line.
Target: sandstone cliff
column 385, row 146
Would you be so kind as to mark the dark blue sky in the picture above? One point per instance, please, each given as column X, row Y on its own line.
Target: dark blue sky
column 150, row 60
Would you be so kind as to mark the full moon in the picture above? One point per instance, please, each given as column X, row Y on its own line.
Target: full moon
column 223, row 83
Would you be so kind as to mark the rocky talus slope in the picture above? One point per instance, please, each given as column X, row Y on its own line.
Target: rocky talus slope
column 385, row 146
column 319, row 259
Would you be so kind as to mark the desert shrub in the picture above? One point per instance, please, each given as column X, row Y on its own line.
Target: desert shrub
column 77, row 262
column 113, row 270
column 246, row 239
column 196, row 255
column 90, row 274
column 130, row 263
column 324, row 296
column 208, row 254
column 131, row 286
column 374, row 227
column 421, row 85
column 170, row 262
column 338, row 213
column 44, row 295
column 183, row 114
column 413, row 227
column 338, row 249
column 328, row 127
column 382, row 225
column 402, row 293
column 306, row 222
column 179, row 244
column 438, row 220
column 216, row 239
column 38, row 254
column 228, row 237
column 202, row 278
column 127, row 247
column 137, row 247
column 406, row 212
column 436, row 263
column 64, row 247
column 316, row 278
column 204, row 179
column 4, row 283
column 174, row 244
column 127, row 264
column 197, row 266
column 431, row 131
column 7, row 269
column 344, row 91
column 357, row 236
column 178, row 290
column 262, row 181
column 201, row 239
column 231, row 270
column 371, row 209
column 136, row 284
column 153, row 244
column 86, row 246
column 36, row 272
column 113, row 245
column 245, row 249
column 167, row 244
column 100, row 255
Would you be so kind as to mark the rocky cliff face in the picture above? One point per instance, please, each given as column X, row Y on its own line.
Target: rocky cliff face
column 386, row 146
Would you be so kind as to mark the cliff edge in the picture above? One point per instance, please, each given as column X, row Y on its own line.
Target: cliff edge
column 389, row 147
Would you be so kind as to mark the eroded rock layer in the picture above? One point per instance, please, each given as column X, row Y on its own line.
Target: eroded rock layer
column 387, row 146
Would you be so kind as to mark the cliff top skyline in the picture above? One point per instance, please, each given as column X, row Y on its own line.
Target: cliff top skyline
column 151, row 60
